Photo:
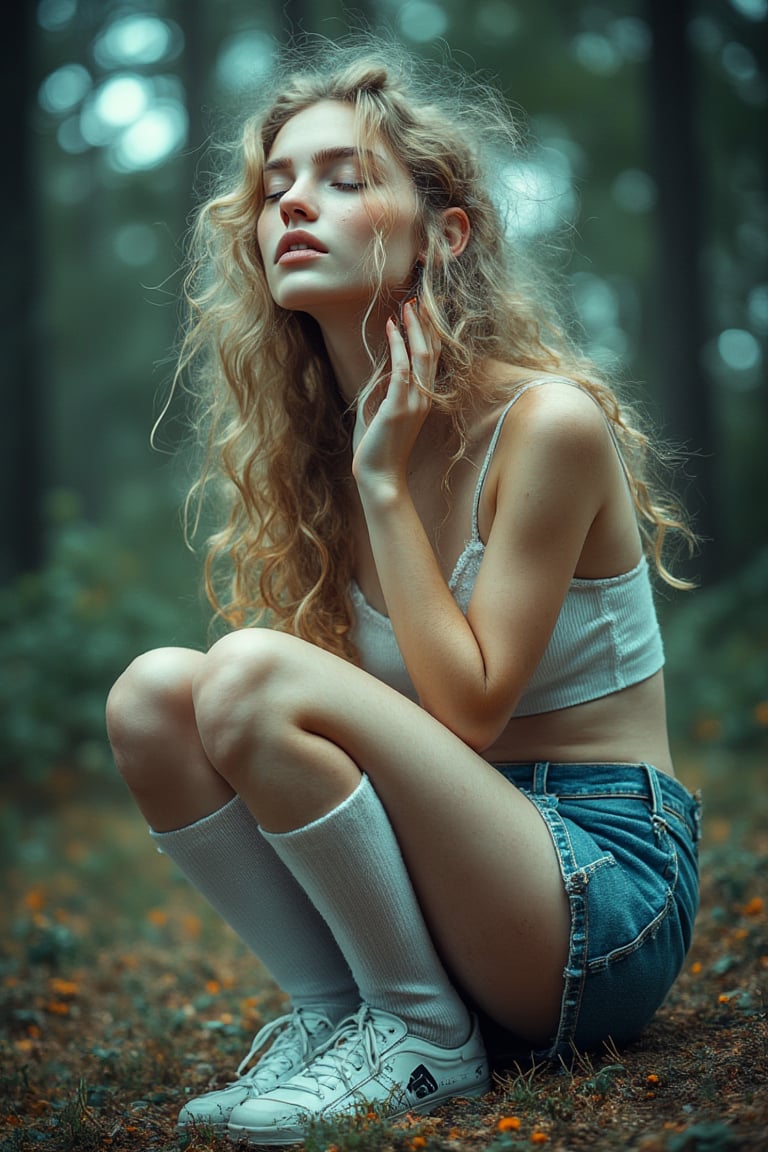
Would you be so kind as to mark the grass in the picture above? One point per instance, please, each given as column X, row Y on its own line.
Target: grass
column 120, row 993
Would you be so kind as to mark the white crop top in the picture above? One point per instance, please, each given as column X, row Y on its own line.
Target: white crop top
column 606, row 636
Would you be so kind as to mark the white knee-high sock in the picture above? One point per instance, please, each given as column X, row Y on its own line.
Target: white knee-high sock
column 350, row 865
column 226, row 858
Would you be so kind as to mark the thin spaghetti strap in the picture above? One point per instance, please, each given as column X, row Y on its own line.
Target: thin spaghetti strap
column 500, row 424
column 492, row 448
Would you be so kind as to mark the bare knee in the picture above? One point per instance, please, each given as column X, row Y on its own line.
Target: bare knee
column 241, row 694
column 149, row 708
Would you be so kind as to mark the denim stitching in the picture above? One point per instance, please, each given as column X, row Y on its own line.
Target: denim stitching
column 600, row 963
column 667, row 844
column 576, row 881
column 687, row 805
column 685, row 808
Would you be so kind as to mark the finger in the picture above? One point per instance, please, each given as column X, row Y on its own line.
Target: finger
column 406, row 389
column 421, row 342
column 400, row 361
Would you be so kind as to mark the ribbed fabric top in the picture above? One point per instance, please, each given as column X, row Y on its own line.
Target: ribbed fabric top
column 606, row 636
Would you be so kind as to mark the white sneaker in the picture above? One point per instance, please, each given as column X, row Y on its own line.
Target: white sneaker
column 370, row 1058
column 296, row 1038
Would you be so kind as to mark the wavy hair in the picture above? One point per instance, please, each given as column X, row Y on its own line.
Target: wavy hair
column 275, row 428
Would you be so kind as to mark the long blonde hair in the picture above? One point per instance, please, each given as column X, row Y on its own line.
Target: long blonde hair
column 277, row 432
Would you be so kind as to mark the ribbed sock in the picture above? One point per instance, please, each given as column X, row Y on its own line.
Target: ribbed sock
column 350, row 865
column 227, row 860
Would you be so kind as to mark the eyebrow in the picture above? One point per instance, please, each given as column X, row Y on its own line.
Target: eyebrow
column 324, row 156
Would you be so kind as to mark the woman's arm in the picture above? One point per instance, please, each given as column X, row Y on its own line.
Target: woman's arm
column 553, row 467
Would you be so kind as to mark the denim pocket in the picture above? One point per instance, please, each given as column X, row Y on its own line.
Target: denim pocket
column 630, row 894
column 626, row 839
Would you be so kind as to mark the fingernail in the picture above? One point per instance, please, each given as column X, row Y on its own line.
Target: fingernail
column 411, row 303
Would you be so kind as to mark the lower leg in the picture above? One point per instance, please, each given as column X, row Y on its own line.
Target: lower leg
column 227, row 859
column 350, row 865
column 198, row 821
column 206, row 829
column 412, row 1045
column 329, row 828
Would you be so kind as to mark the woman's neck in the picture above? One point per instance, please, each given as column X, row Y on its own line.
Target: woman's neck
column 350, row 360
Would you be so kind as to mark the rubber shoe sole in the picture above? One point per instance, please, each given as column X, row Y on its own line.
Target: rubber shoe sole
column 370, row 1060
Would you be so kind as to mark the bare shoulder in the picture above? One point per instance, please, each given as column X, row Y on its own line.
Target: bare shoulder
column 560, row 420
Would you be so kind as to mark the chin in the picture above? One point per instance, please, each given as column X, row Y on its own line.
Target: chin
column 322, row 304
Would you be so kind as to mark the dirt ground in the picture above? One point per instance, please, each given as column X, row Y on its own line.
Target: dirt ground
column 120, row 993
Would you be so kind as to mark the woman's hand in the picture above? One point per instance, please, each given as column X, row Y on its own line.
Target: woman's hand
column 392, row 407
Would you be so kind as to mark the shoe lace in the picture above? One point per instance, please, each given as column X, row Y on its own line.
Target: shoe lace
column 354, row 1045
column 289, row 1031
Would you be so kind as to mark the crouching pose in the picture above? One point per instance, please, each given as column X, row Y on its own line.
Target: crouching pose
column 435, row 795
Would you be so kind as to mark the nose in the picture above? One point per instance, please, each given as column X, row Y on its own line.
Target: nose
column 298, row 202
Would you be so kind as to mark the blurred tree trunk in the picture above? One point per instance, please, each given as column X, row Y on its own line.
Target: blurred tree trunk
column 685, row 390
column 22, row 426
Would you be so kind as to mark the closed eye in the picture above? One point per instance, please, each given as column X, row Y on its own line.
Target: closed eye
column 343, row 185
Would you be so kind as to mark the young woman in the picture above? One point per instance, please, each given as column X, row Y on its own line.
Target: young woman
column 435, row 797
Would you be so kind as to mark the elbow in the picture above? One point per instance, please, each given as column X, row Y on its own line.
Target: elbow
column 478, row 741
column 477, row 727
column 484, row 719
column 482, row 737
column 477, row 710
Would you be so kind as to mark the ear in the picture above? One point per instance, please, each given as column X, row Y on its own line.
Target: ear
column 456, row 229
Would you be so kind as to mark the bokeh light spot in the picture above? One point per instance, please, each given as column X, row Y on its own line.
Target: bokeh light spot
column 152, row 139
column 634, row 191
column 421, row 21
column 537, row 195
column 245, row 59
column 632, row 37
column 757, row 305
column 55, row 15
column 135, row 244
column 497, row 20
column 739, row 63
column 596, row 53
column 739, row 350
column 136, row 40
column 64, row 89
column 70, row 136
column 122, row 99
column 752, row 9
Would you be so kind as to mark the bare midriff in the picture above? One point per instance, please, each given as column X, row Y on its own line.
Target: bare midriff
column 627, row 727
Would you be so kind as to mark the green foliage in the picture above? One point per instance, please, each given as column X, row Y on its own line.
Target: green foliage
column 363, row 1130
column 717, row 661
column 605, row 1080
column 76, row 1127
column 66, row 633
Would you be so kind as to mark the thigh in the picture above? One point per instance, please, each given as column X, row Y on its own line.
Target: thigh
column 480, row 856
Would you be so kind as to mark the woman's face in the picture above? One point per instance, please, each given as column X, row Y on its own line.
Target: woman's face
column 319, row 218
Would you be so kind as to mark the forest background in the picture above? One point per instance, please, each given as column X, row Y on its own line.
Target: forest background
column 645, row 183
column 646, row 186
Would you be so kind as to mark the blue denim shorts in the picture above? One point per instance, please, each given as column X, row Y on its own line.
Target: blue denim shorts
column 626, row 837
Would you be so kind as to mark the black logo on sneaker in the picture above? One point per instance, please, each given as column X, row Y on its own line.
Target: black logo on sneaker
column 422, row 1083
